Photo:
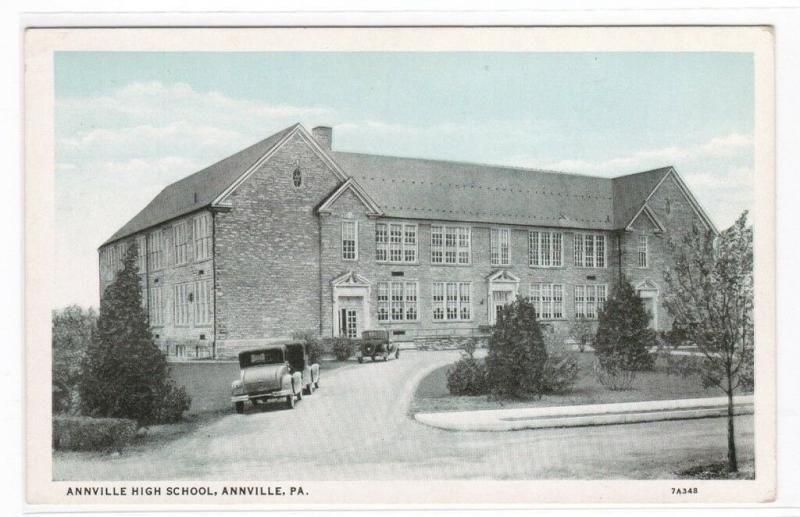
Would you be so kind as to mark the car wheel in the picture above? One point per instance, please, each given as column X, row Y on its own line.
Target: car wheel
column 360, row 359
column 373, row 358
column 310, row 389
column 300, row 393
column 397, row 354
column 385, row 357
column 290, row 402
column 316, row 384
column 239, row 407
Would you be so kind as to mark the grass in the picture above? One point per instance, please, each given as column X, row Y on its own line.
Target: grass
column 718, row 471
column 432, row 394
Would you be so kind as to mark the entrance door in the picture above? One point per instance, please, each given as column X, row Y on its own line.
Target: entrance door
column 499, row 300
column 350, row 316
column 649, row 298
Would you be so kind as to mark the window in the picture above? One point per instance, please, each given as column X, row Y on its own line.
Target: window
column 202, row 303
column 202, row 237
column 500, row 241
column 452, row 301
column 451, row 245
column 297, row 177
column 181, row 299
column 590, row 250
column 545, row 249
column 396, row 242
column 642, row 250
column 349, row 240
column 181, row 239
column 589, row 300
column 397, row 301
column 156, row 307
column 141, row 250
column 548, row 300
column 155, row 250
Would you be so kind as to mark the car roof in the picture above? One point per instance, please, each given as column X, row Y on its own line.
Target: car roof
column 281, row 346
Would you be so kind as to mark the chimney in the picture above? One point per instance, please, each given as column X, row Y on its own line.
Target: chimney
column 324, row 136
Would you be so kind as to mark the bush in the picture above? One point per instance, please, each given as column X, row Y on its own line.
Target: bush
column 342, row 348
column 467, row 377
column 623, row 332
column 313, row 344
column 72, row 333
column 613, row 378
column 517, row 352
column 86, row 433
column 560, row 373
column 173, row 403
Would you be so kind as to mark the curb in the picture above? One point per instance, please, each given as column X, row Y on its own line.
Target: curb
column 585, row 415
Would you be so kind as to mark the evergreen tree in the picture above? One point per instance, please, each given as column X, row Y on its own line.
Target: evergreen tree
column 124, row 372
column 517, row 353
column 623, row 332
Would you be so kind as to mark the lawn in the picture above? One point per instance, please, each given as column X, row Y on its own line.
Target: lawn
column 432, row 394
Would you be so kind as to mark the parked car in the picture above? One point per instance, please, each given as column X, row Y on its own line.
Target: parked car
column 274, row 372
column 376, row 343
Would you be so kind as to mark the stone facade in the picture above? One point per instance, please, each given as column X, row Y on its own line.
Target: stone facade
column 277, row 264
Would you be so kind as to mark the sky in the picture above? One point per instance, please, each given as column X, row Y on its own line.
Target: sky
column 129, row 123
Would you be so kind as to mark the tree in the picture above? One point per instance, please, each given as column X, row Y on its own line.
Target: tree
column 623, row 334
column 72, row 333
column 124, row 372
column 710, row 294
column 517, row 352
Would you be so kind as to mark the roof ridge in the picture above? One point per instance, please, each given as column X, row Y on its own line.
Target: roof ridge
column 479, row 164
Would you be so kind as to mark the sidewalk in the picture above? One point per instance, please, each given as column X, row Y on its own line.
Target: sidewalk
column 585, row 415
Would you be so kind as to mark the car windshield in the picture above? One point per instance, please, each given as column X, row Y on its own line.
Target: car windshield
column 257, row 357
column 373, row 334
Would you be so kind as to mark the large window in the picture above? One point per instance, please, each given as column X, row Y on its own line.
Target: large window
column 181, row 239
column 181, row 302
column 500, row 242
column 397, row 301
column 141, row 250
column 451, row 245
column 155, row 250
column 589, row 300
column 452, row 301
column 590, row 250
column 396, row 242
column 156, row 307
column 202, row 237
column 545, row 249
column 548, row 299
column 202, row 303
column 349, row 240
column 642, row 251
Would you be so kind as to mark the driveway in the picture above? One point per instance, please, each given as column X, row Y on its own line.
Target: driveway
column 357, row 427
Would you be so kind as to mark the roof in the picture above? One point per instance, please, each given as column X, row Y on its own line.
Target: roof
column 444, row 190
column 631, row 191
column 416, row 188
column 198, row 190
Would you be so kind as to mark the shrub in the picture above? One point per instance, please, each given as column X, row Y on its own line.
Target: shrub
column 342, row 348
column 313, row 344
column 467, row 377
column 612, row 377
column 72, row 333
column 560, row 373
column 173, row 403
column 517, row 352
column 124, row 374
column 623, row 335
column 86, row 433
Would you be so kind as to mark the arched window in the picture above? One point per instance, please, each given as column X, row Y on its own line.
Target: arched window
column 297, row 177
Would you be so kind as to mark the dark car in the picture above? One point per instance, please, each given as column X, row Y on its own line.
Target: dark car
column 274, row 372
column 376, row 343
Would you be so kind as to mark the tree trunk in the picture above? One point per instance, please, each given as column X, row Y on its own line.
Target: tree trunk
column 733, row 465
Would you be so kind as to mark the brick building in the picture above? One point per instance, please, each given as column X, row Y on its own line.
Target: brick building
column 290, row 235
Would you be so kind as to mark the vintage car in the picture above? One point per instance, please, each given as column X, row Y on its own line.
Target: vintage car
column 376, row 343
column 281, row 371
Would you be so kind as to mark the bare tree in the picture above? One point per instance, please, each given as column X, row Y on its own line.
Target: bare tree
column 710, row 293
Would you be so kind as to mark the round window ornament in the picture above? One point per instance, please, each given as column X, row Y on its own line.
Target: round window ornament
column 297, row 177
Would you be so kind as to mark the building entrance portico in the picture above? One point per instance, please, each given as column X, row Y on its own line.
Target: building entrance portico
column 350, row 305
column 503, row 287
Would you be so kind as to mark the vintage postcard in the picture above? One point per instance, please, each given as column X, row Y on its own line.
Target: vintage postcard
column 396, row 267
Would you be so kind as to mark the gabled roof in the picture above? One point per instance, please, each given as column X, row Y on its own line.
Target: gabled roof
column 444, row 190
column 631, row 192
column 200, row 189
column 352, row 185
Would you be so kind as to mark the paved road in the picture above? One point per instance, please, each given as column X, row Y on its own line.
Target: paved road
column 357, row 427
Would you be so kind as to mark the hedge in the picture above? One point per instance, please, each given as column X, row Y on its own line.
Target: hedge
column 88, row 433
